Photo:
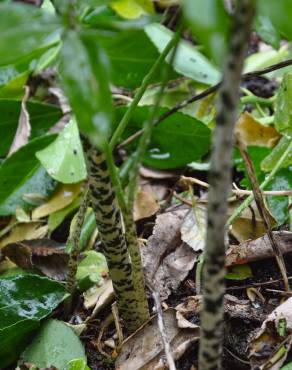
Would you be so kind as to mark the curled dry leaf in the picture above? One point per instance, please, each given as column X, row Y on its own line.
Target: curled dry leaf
column 24, row 231
column 270, row 347
column 193, row 228
column 151, row 173
column 145, row 205
column 251, row 132
column 64, row 195
column 166, row 258
column 23, row 129
column 144, row 350
column 98, row 297
column 45, row 255
column 233, row 307
column 250, row 224
column 258, row 249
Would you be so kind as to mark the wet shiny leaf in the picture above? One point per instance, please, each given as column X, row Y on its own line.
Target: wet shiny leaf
column 22, row 308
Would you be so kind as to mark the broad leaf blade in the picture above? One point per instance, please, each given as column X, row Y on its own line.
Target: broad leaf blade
column 21, row 174
column 188, row 60
column 21, row 309
column 23, row 29
column 176, row 141
column 55, row 345
column 68, row 166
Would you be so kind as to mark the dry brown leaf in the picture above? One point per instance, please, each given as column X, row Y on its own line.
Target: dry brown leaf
column 26, row 231
column 274, row 335
column 23, row 129
column 166, row 259
column 144, row 350
column 258, row 249
column 98, row 296
column 250, row 224
column 64, row 195
column 45, row 255
column 145, row 205
column 251, row 132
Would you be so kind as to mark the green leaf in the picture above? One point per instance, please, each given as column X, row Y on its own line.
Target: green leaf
column 279, row 12
column 24, row 301
column 21, row 173
column 176, row 141
column 84, row 73
column 283, row 106
column 78, row 364
column 55, row 219
column 279, row 204
column 210, row 23
column 91, row 270
column 270, row 161
column 68, row 166
column 267, row 32
column 55, row 345
column 239, row 272
column 131, row 55
column 42, row 117
column 287, row 367
column 31, row 30
column 188, row 60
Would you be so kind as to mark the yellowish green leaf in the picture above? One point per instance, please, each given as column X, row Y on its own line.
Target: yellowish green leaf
column 131, row 9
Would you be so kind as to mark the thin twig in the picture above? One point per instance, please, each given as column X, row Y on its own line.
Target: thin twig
column 258, row 196
column 270, row 282
column 205, row 93
column 162, row 330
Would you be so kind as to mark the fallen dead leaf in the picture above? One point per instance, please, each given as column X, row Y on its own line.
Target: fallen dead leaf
column 144, row 350
column 233, row 307
column 167, row 260
column 250, row 224
column 271, row 345
column 258, row 249
column 151, row 173
column 98, row 296
column 193, row 228
column 23, row 129
column 145, row 205
column 251, row 132
column 64, row 195
column 25, row 231
column 45, row 255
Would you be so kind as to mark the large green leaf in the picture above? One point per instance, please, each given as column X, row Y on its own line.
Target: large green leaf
column 42, row 117
column 176, row 141
column 267, row 31
column 55, row 345
column 283, row 106
column 210, row 23
column 68, row 166
column 131, row 54
column 21, row 173
column 270, row 161
column 24, row 301
column 188, row 60
column 23, row 29
column 279, row 12
column 84, row 73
